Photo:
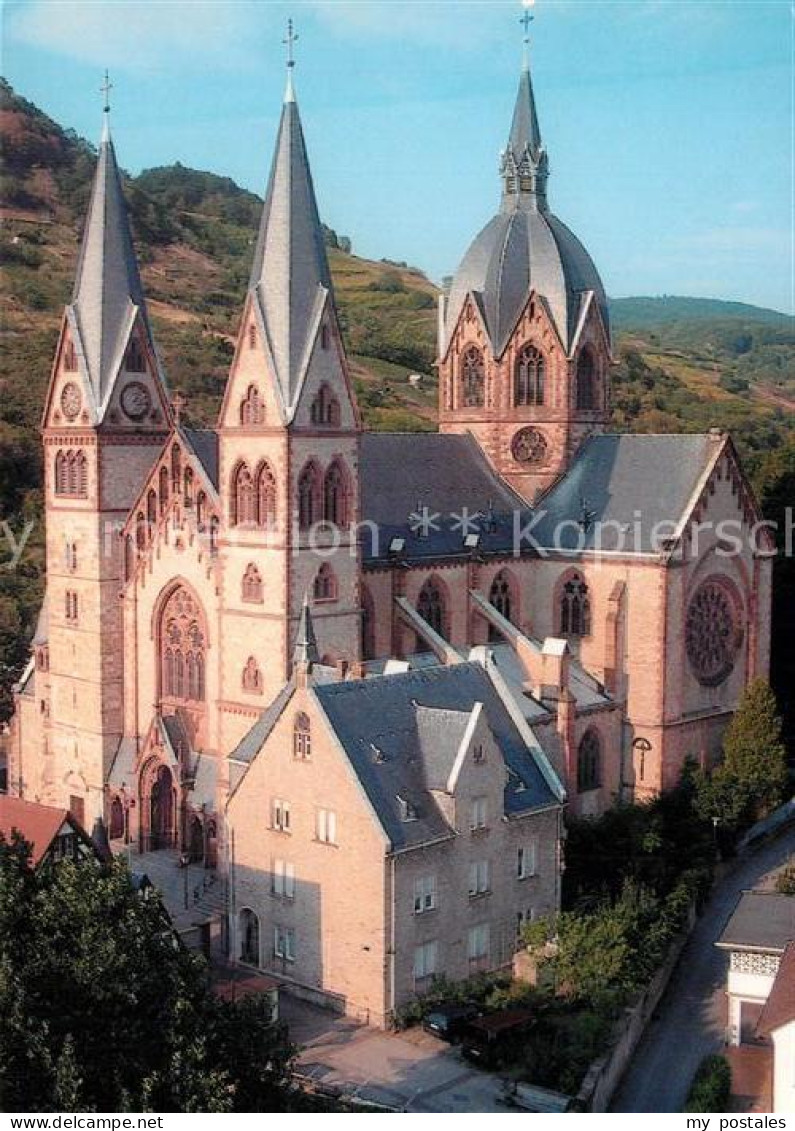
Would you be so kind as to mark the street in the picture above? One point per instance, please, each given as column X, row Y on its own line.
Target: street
column 691, row 1017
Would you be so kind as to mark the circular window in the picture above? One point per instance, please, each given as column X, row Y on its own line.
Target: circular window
column 135, row 400
column 713, row 634
column 529, row 446
column 71, row 400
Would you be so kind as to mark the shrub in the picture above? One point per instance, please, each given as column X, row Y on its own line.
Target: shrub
column 785, row 881
column 711, row 1086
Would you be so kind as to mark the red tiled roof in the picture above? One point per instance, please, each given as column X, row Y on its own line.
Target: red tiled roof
column 38, row 824
column 779, row 1008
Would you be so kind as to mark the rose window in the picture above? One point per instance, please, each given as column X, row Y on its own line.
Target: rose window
column 529, row 446
column 712, row 634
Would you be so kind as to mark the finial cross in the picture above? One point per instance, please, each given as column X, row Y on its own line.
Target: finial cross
column 289, row 42
column 104, row 90
column 526, row 20
column 178, row 403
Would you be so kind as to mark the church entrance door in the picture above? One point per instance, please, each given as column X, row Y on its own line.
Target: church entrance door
column 161, row 810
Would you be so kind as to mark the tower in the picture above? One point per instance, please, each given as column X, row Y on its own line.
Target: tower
column 105, row 419
column 524, row 343
column 288, row 443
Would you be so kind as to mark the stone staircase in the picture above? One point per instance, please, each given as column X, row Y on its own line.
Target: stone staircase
column 191, row 894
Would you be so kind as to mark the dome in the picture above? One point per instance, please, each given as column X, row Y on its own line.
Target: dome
column 524, row 247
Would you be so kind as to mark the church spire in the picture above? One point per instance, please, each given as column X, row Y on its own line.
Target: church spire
column 305, row 651
column 108, row 297
column 290, row 278
column 524, row 167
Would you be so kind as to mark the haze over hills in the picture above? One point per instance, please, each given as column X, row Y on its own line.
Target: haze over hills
column 683, row 364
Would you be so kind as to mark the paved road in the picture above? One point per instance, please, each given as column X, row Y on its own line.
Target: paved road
column 691, row 1019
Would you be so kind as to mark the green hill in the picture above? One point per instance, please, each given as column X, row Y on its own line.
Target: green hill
column 648, row 313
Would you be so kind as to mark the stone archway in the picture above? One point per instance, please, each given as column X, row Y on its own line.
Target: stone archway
column 161, row 809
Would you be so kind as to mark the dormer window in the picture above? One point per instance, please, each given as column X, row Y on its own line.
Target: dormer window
column 408, row 811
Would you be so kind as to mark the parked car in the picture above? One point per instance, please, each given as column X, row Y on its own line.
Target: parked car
column 487, row 1039
column 449, row 1021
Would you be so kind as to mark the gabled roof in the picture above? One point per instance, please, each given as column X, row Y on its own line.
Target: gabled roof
column 37, row 824
column 779, row 1009
column 107, row 293
column 290, row 279
column 633, row 482
column 251, row 743
column 761, row 921
column 393, row 742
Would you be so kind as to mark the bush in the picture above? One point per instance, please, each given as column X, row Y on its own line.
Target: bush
column 785, row 881
column 711, row 1086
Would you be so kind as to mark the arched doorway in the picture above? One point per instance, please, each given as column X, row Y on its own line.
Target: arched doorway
column 196, row 840
column 211, row 853
column 116, row 819
column 161, row 810
column 249, row 937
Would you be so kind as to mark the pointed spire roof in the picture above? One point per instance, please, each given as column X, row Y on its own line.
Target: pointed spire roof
column 290, row 279
column 305, row 651
column 107, row 293
column 524, row 167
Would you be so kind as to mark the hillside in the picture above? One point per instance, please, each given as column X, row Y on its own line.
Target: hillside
column 683, row 364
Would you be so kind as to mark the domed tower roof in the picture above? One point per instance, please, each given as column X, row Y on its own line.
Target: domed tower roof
column 525, row 247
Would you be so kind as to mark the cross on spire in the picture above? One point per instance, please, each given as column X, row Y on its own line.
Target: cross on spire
column 527, row 19
column 104, row 90
column 289, row 42
column 178, row 403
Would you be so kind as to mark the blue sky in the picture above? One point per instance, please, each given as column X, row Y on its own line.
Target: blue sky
column 668, row 122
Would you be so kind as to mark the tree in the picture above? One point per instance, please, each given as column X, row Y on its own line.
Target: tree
column 755, row 759
column 103, row 1009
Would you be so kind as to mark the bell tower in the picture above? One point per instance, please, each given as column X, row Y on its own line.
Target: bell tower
column 105, row 420
column 524, row 343
column 289, row 443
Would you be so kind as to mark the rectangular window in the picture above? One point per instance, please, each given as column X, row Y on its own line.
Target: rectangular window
column 478, row 817
column 284, row 942
column 71, row 605
column 479, row 877
column 326, row 826
column 426, row 961
column 424, row 894
column 527, row 860
column 283, row 879
column 478, row 942
column 280, row 815
column 523, row 918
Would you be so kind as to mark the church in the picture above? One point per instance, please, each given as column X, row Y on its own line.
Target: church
column 361, row 675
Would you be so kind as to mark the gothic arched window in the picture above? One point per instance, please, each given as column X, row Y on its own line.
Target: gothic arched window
column 183, row 644
column 135, row 362
column 251, row 589
column 529, row 377
column 302, row 737
column 501, row 597
column 151, row 510
column 201, row 510
column 586, row 381
column 309, row 496
column 252, row 677
column 368, row 626
column 335, row 501
column 61, row 480
column 325, row 408
column 575, row 607
column 431, row 607
column 252, row 336
column 589, row 762
column 176, row 469
column 252, row 410
column 163, row 488
column 129, row 557
column 70, row 357
column 140, row 530
column 187, row 487
column 473, row 377
column 71, row 474
column 244, row 500
column 266, row 496
column 325, row 587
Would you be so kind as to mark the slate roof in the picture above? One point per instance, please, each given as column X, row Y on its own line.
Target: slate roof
column 107, row 288
column 290, row 277
column 779, row 1009
column 761, row 920
column 445, row 473
column 376, row 720
column 631, row 479
column 251, row 743
column 525, row 248
column 204, row 442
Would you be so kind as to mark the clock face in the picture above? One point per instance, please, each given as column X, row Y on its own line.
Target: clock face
column 529, row 446
column 135, row 400
column 71, row 400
